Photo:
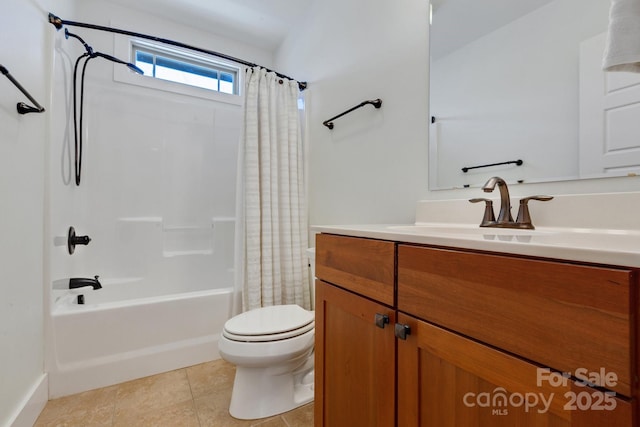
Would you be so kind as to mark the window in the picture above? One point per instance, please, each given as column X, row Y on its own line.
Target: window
column 186, row 69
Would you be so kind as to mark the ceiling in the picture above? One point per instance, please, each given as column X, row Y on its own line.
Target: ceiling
column 265, row 23
column 261, row 23
column 458, row 22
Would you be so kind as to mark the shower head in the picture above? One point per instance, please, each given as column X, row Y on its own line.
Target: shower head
column 131, row 66
column 91, row 53
column 135, row 69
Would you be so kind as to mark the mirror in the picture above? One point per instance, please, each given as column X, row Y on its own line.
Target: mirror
column 521, row 80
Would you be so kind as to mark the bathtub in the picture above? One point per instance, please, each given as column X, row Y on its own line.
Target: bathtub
column 108, row 341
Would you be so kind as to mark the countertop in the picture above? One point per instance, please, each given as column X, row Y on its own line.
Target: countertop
column 599, row 246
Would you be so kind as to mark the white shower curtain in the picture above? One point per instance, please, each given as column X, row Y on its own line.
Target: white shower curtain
column 271, row 236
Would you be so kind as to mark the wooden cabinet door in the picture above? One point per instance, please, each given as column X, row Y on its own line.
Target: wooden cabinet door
column 446, row 380
column 354, row 362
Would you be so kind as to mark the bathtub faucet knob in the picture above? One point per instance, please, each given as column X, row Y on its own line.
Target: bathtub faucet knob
column 82, row 240
column 73, row 240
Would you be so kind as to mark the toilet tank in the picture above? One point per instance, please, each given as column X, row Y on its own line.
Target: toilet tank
column 311, row 257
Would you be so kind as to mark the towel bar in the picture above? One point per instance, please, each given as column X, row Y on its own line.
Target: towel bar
column 21, row 106
column 375, row 102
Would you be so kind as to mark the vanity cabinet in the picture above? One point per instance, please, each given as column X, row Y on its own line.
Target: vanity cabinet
column 493, row 340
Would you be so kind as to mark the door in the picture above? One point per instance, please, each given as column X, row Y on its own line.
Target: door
column 609, row 112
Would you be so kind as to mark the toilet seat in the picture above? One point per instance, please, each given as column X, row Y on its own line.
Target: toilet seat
column 272, row 323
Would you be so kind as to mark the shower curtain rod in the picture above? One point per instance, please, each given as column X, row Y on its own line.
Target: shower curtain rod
column 58, row 23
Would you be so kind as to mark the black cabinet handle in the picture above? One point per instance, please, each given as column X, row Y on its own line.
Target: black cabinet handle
column 402, row 331
column 381, row 320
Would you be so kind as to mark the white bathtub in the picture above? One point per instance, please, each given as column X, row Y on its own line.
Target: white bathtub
column 106, row 341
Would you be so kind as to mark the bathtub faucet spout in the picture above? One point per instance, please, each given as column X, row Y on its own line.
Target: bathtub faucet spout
column 81, row 282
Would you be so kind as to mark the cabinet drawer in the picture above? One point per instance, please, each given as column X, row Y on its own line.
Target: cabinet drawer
column 563, row 316
column 363, row 266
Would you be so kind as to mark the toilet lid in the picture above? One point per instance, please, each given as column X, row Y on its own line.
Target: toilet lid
column 269, row 323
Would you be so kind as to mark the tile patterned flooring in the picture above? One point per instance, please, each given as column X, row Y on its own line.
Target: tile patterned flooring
column 197, row 396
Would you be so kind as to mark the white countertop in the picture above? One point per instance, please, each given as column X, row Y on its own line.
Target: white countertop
column 600, row 246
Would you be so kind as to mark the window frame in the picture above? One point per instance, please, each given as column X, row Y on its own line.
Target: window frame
column 188, row 59
column 124, row 48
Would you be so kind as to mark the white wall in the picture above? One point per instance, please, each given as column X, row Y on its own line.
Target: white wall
column 26, row 53
column 372, row 167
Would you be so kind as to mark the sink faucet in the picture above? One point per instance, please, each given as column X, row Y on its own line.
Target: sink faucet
column 505, row 220
column 504, row 217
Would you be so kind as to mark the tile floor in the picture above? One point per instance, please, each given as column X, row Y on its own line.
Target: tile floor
column 196, row 396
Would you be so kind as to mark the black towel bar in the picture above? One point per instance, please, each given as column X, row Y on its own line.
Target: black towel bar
column 375, row 102
column 21, row 106
column 516, row 162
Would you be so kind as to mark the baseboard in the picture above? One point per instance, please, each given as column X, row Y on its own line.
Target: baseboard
column 27, row 413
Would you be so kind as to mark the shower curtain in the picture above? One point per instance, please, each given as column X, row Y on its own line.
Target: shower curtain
column 271, row 233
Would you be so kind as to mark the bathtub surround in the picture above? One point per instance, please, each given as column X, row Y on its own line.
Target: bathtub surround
column 272, row 267
column 158, row 200
column 165, row 232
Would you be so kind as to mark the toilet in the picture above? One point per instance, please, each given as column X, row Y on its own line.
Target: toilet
column 272, row 348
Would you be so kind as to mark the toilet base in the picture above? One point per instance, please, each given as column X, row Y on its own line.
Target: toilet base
column 259, row 393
